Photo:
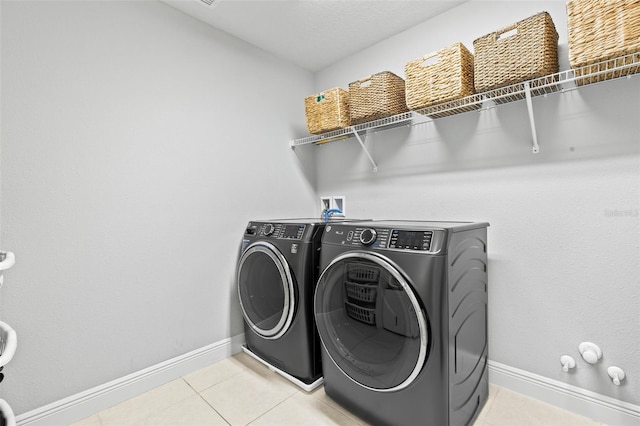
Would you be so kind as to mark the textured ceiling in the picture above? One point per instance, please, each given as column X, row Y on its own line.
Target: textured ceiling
column 313, row 33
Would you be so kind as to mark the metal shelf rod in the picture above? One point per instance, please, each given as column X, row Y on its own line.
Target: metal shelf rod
column 532, row 121
column 364, row 148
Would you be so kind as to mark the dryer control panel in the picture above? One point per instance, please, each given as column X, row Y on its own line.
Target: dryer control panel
column 411, row 240
column 414, row 240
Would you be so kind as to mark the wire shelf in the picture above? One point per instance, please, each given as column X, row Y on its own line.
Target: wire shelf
column 623, row 66
column 387, row 122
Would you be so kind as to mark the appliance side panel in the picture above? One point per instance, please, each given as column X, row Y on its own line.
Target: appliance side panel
column 467, row 310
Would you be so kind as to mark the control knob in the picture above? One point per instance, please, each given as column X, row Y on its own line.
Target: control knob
column 368, row 236
column 268, row 229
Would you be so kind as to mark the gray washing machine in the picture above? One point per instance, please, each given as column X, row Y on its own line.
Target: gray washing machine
column 276, row 276
column 401, row 310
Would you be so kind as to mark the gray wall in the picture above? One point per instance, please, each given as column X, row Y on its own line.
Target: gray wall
column 563, row 242
column 136, row 144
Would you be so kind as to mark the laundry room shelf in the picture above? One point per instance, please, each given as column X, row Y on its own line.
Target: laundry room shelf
column 624, row 66
column 347, row 132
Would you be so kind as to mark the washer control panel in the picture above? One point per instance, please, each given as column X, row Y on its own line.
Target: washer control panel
column 289, row 231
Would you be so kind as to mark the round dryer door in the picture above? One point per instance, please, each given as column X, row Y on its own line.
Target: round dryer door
column 266, row 290
column 370, row 321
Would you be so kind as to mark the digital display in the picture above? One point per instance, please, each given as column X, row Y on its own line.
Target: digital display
column 412, row 240
column 291, row 231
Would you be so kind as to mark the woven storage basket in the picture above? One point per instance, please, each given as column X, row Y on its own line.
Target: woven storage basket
column 377, row 96
column 327, row 111
column 502, row 59
column 449, row 78
column 601, row 31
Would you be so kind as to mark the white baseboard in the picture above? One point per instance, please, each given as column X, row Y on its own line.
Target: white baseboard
column 597, row 407
column 84, row 404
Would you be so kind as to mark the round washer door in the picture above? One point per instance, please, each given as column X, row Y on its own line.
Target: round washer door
column 266, row 290
column 370, row 321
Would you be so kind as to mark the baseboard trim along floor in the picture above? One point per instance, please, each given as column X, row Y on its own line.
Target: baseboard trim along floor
column 84, row 404
column 76, row 407
column 595, row 406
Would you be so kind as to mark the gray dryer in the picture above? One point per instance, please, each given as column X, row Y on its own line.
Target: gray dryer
column 401, row 310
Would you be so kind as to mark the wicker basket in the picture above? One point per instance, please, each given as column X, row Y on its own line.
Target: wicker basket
column 449, row 78
column 601, row 31
column 327, row 111
column 530, row 53
column 377, row 96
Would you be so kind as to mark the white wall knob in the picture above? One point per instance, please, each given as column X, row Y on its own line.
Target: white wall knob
column 567, row 363
column 616, row 374
column 7, row 413
column 7, row 260
column 590, row 352
column 8, row 343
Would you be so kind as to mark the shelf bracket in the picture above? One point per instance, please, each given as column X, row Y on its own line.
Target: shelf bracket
column 364, row 148
column 527, row 92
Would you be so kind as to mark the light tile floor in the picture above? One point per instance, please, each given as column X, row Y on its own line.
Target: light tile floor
column 240, row 391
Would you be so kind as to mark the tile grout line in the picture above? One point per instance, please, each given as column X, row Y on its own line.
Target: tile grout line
column 344, row 412
column 167, row 407
column 244, row 370
column 272, row 408
column 214, row 409
column 341, row 410
column 490, row 401
column 99, row 418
